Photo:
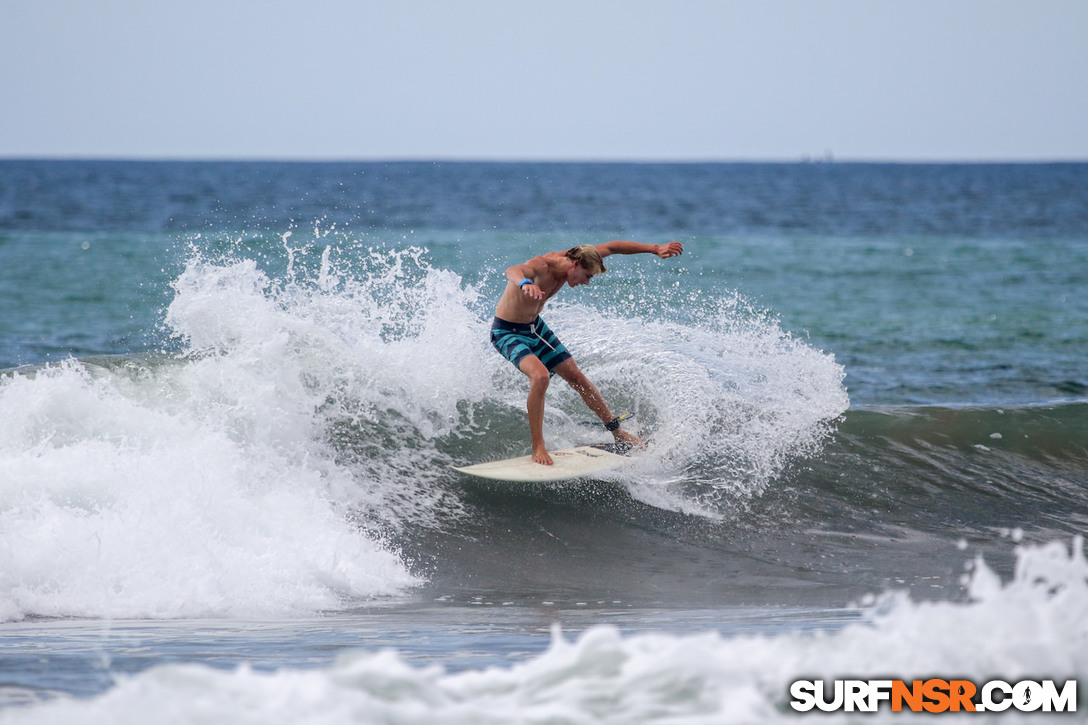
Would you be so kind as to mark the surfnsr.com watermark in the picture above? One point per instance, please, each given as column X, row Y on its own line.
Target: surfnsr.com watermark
column 934, row 695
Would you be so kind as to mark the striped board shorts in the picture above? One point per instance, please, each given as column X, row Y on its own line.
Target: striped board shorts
column 515, row 341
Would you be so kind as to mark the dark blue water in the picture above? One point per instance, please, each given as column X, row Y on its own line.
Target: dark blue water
column 976, row 201
column 961, row 282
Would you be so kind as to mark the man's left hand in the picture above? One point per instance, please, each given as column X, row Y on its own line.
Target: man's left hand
column 672, row 249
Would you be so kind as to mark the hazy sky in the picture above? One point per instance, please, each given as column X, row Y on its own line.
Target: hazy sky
column 545, row 79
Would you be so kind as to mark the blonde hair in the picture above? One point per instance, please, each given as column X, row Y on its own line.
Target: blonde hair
column 587, row 256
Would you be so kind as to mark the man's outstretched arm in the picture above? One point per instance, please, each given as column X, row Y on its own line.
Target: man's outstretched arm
column 672, row 249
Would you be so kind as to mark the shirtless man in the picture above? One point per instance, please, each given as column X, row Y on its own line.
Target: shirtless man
column 521, row 336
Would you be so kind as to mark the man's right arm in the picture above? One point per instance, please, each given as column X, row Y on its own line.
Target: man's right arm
column 521, row 272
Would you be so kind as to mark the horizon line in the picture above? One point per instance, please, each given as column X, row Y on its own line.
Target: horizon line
column 813, row 160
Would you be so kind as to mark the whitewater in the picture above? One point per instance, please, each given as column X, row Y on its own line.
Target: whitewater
column 225, row 445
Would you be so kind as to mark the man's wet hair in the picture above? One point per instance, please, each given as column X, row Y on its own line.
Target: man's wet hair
column 587, row 256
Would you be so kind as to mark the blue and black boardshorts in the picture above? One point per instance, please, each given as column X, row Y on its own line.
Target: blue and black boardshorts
column 516, row 340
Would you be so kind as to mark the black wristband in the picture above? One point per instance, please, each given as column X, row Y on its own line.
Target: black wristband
column 612, row 424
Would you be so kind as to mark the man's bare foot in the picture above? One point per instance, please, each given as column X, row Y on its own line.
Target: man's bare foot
column 540, row 455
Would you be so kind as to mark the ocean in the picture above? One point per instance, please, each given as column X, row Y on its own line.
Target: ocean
column 231, row 394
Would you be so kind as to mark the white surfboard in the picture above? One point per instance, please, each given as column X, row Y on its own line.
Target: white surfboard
column 569, row 463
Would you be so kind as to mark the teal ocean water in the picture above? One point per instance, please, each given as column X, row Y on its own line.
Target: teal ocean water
column 230, row 394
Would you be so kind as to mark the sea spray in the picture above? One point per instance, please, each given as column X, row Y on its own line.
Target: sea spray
column 400, row 345
column 729, row 398
column 360, row 354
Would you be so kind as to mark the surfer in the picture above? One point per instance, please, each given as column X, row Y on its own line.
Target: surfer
column 521, row 336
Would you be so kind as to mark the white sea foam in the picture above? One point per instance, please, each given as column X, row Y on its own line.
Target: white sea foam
column 200, row 486
column 125, row 496
column 1032, row 627
column 730, row 398
column 240, row 476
